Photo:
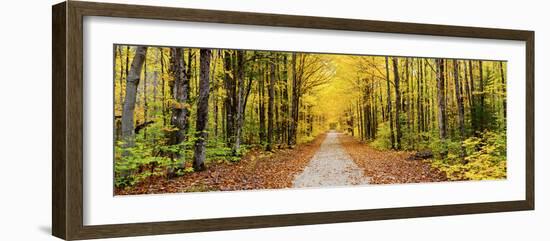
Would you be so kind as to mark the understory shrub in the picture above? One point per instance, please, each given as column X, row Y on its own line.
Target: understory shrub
column 485, row 158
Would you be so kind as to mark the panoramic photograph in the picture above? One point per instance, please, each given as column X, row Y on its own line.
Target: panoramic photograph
column 207, row 120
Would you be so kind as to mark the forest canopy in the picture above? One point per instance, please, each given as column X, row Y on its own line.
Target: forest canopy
column 179, row 110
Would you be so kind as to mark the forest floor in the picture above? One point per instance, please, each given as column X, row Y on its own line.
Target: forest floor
column 331, row 159
column 331, row 166
column 389, row 167
column 256, row 170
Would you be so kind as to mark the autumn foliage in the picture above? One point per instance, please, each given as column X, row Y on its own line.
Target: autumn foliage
column 189, row 119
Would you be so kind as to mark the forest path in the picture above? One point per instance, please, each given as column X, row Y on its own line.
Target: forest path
column 330, row 166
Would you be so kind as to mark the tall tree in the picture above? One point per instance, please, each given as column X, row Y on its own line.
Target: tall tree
column 230, row 98
column 395, row 62
column 132, row 83
column 284, row 107
column 503, row 82
column 442, row 116
column 180, row 90
column 215, row 89
column 460, row 104
column 294, row 103
column 473, row 108
column 120, row 96
column 408, row 99
column 240, row 101
column 271, row 103
column 392, row 137
column 481, row 98
column 424, row 96
column 467, row 85
column 163, row 85
column 261, row 104
column 145, row 104
column 202, row 110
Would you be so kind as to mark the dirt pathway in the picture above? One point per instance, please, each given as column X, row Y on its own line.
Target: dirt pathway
column 330, row 166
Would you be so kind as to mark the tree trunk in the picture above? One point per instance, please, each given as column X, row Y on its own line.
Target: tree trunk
column 481, row 98
column 180, row 112
column 408, row 99
column 261, row 104
column 132, row 83
column 467, row 85
column 284, row 108
column 473, row 108
column 126, row 70
column 423, row 96
column 270, row 107
column 460, row 104
column 229, row 104
column 362, row 123
column 389, row 114
column 215, row 56
column 202, row 110
column 145, row 104
column 442, row 119
column 397, row 101
column 240, row 102
column 351, row 121
column 216, row 113
column 294, row 107
column 163, row 83
column 120, row 96
column 381, row 101
column 180, row 92
column 503, row 82
column 247, row 90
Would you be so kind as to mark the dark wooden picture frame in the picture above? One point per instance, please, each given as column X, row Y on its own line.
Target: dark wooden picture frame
column 67, row 149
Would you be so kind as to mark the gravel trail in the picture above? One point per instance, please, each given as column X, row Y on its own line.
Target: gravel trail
column 330, row 166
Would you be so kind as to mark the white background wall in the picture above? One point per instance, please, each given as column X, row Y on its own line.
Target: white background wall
column 25, row 119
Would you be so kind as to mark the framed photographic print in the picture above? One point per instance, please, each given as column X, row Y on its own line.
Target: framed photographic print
column 170, row 120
